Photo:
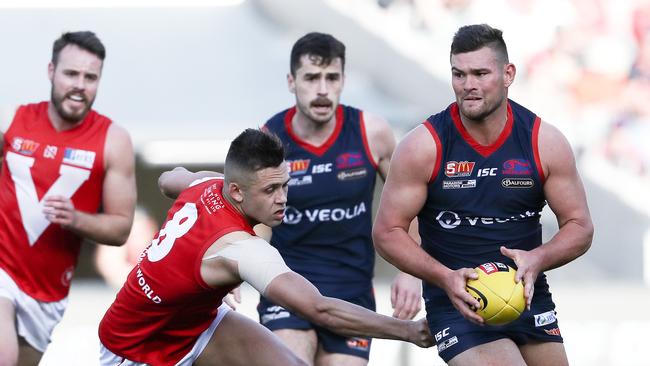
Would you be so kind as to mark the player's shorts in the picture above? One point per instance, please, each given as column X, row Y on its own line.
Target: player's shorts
column 455, row 334
column 35, row 320
column 108, row 358
column 275, row 317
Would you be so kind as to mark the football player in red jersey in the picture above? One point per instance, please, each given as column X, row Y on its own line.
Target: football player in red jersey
column 61, row 162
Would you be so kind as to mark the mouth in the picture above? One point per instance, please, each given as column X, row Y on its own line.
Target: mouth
column 76, row 98
column 472, row 98
column 279, row 213
column 322, row 105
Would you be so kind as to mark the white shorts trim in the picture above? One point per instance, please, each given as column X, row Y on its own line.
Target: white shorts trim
column 35, row 320
column 108, row 358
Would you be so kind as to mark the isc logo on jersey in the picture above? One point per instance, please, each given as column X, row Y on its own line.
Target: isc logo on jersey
column 455, row 169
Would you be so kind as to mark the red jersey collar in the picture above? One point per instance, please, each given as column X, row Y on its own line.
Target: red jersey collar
column 316, row 150
column 484, row 150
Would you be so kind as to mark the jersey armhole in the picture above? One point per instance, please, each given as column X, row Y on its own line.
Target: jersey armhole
column 201, row 180
column 207, row 244
column 364, row 137
column 434, row 134
column 538, row 161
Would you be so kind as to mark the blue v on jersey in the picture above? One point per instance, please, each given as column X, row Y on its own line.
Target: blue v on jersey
column 326, row 233
column 482, row 197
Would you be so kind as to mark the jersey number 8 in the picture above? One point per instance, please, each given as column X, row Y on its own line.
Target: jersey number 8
column 179, row 225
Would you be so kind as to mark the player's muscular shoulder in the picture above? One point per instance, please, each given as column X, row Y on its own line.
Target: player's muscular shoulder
column 118, row 148
column 554, row 149
column 418, row 149
column 379, row 133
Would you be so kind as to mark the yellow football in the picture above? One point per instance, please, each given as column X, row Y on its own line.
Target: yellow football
column 501, row 299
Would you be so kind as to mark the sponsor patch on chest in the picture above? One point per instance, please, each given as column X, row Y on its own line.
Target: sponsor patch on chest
column 24, row 146
column 78, row 157
column 459, row 184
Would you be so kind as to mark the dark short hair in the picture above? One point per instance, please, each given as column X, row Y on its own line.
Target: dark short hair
column 321, row 45
column 85, row 40
column 470, row 38
column 251, row 151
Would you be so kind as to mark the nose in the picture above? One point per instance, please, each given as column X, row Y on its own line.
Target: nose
column 79, row 83
column 281, row 197
column 322, row 86
column 469, row 83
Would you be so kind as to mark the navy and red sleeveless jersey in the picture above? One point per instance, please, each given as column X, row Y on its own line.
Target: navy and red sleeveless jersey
column 326, row 233
column 40, row 161
column 482, row 197
column 165, row 304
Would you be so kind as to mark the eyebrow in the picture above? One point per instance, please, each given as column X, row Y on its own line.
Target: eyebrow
column 471, row 70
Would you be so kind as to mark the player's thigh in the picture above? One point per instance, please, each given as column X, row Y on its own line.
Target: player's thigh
column 302, row 342
column 496, row 353
column 239, row 341
column 544, row 354
column 324, row 358
column 8, row 335
column 28, row 355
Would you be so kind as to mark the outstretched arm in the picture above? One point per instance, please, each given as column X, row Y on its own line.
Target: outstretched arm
column 241, row 257
column 294, row 292
column 566, row 197
column 402, row 199
column 111, row 226
column 173, row 182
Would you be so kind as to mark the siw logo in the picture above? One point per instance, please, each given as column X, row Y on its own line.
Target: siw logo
column 459, row 168
column 298, row 166
column 31, row 209
column 23, row 146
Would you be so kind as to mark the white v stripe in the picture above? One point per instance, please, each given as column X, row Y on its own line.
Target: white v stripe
column 31, row 209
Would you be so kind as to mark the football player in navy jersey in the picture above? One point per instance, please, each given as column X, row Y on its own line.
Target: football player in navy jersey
column 334, row 153
column 477, row 175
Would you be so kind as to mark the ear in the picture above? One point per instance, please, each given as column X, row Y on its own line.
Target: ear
column 291, row 83
column 509, row 72
column 50, row 71
column 235, row 191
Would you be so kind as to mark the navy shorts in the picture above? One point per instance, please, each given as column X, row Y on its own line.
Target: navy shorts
column 454, row 334
column 275, row 317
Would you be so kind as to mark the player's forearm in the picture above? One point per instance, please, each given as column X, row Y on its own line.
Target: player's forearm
column 572, row 241
column 102, row 228
column 398, row 248
column 173, row 182
column 353, row 320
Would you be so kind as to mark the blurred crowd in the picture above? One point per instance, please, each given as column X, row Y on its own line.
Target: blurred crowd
column 582, row 64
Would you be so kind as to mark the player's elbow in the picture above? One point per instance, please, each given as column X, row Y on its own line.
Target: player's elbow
column 319, row 312
column 588, row 229
column 117, row 238
column 381, row 240
column 165, row 184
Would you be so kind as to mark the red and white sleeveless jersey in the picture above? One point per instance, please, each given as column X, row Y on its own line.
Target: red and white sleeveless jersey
column 164, row 304
column 38, row 162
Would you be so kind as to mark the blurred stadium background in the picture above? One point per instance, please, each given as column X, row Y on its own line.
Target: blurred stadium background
column 184, row 77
